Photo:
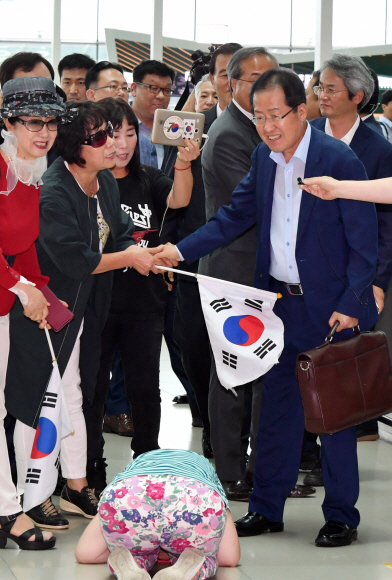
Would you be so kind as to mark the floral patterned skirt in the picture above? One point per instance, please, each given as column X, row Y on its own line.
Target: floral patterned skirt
column 146, row 513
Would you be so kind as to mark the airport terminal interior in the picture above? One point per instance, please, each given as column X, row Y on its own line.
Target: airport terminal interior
column 301, row 34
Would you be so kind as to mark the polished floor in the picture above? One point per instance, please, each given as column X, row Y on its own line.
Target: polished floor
column 287, row 556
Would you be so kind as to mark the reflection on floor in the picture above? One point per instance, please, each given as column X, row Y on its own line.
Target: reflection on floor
column 287, row 556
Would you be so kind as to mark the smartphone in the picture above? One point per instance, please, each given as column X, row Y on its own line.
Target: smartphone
column 170, row 127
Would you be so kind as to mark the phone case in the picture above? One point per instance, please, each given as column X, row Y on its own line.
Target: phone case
column 59, row 315
column 170, row 127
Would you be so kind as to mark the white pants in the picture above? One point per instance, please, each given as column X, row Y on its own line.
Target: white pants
column 73, row 450
column 8, row 501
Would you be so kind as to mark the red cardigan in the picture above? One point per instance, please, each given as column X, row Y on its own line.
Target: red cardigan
column 19, row 229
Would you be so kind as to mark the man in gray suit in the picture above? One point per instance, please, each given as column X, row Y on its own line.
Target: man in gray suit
column 226, row 161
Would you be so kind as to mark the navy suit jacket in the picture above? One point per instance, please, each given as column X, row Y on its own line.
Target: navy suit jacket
column 336, row 249
column 375, row 152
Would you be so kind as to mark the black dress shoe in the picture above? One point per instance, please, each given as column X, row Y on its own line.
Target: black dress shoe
column 181, row 400
column 237, row 490
column 314, row 478
column 311, row 460
column 82, row 503
column 302, row 491
column 197, row 421
column 46, row 516
column 206, row 445
column 254, row 524
column 336, row 534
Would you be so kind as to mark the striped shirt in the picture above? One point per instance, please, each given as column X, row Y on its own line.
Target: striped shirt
column 175, row 462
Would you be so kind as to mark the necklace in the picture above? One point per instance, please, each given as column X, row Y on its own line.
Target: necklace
column 86, row 188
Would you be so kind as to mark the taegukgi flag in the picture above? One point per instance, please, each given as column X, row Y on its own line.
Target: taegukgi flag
column 246, row 336
column 53, row 425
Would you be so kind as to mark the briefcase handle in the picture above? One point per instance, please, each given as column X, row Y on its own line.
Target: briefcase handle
column 331, row 334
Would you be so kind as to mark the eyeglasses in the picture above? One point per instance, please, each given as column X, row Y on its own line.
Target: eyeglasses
column 329, row 92
column 114, row 88
column 155, row 90
column 35, row 125
column 99, row 138
column 272, row 118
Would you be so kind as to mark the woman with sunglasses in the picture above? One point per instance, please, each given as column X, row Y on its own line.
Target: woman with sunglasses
column 84, row 237
column 29, row 127
column 135, row 323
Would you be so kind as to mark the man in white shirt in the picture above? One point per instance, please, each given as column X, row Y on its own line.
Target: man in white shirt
column 346, row 86
column 321, row 258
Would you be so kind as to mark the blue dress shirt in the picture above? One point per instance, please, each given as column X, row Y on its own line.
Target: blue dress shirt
column 285, row 212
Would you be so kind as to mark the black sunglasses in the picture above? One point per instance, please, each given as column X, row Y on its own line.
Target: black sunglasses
column 100, row 137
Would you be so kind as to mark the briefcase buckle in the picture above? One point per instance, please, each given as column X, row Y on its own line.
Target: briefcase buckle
column 304, row 365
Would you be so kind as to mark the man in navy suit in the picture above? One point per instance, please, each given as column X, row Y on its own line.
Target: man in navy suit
column 346, row 86
column 322, row 258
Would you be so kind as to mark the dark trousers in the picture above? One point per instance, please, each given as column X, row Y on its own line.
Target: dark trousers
column 230, row 424
column 190, row 333
column 139, row 340
column 281, row 430
column 117, row 401
column 175, row 353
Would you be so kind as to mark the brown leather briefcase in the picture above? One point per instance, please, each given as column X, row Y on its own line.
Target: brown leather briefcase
column 345, row 383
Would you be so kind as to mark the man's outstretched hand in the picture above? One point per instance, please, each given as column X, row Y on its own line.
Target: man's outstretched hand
column 165, row 255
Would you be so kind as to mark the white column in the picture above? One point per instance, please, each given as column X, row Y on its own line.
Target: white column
column 156, row 47
column 323, row 48
column 56, row 38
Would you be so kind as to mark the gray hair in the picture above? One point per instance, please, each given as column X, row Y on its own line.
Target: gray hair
column 203, row 79
column 234, row 65
column 354, row 73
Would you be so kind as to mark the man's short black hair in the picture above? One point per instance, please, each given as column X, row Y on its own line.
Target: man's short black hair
column 152, row 67
column 75, row 60
column 387, row 97
column 92, row 75
column 70, row 136
column 228, row 48
column 25, row 61
column 287, row 80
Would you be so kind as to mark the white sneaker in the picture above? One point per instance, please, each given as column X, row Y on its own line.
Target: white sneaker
column 186, row 568
column 122, row 564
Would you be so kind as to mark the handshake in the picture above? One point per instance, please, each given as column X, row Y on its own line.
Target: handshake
column 145, row 260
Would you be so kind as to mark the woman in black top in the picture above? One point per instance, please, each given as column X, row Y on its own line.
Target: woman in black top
column 136, row 320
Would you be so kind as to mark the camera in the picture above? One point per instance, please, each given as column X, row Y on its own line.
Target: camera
column 200, row 63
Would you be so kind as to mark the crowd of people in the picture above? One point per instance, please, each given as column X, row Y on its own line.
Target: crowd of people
column 90, row 207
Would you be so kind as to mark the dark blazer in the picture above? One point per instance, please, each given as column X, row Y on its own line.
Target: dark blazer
column 375, row 152
column 68, row 251
column 336, row 248
column 226, row 160
column 374, row 124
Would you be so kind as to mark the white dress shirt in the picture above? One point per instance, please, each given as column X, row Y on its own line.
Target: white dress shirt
column 348, row 136
column 246, row 113
column 285, row 212
column 219, row 111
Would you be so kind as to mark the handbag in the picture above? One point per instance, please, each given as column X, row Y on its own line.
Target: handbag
column 345, row 383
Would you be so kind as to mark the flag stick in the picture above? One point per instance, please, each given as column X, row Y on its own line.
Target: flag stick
column 279, row 295
column 50, row 345
column 177, row 271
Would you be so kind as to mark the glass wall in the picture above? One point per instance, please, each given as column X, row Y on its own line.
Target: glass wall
column 279, row 24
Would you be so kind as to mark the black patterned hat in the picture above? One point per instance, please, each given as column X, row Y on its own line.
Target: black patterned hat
column 31, row 97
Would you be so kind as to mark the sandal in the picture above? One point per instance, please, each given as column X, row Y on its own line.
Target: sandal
column 187, row 567
column 122, row 564
column 7, row 522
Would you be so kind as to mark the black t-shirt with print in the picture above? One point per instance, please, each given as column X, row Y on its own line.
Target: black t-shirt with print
column 146, row 206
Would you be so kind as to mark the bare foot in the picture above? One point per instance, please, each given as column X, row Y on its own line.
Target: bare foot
column 24, row 523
